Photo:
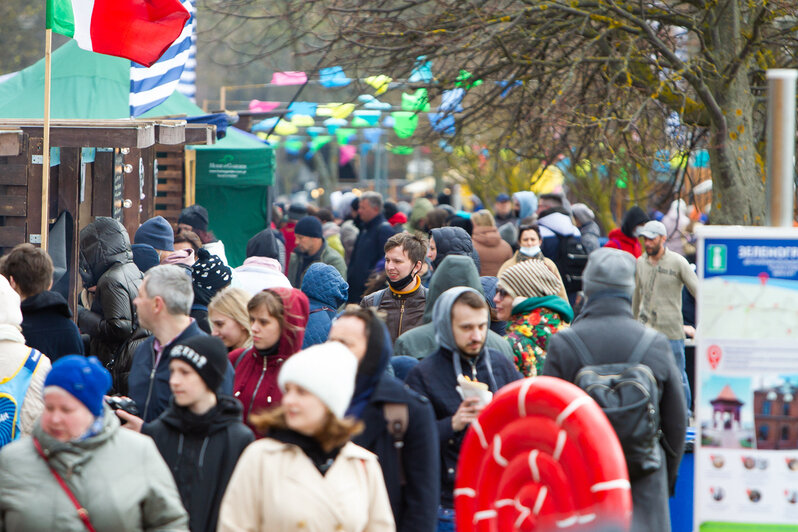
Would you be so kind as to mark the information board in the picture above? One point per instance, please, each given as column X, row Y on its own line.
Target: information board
column 746, row 461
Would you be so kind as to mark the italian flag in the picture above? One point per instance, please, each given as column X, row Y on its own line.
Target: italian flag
column 139, row 30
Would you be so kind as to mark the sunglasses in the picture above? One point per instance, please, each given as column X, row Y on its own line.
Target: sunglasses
column 501, row 292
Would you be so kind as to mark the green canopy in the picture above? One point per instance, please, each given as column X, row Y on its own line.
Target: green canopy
column 232, row 176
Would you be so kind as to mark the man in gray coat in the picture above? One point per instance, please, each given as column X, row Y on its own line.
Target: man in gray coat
column 607, row 328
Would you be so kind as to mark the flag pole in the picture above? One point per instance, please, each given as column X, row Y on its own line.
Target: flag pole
column 48, row 49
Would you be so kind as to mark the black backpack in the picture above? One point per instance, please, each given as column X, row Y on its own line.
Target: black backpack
column 628, row 394
column 571, row 260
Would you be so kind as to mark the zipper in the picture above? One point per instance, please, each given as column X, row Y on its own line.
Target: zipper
column 257, row 387
column 473, row 370
column 149, row 390
column 401, row 317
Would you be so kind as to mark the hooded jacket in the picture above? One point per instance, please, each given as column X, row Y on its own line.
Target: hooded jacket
column 259, row 273
column 369, row 248
column 435, row 377
column 493, row 251
column 117, row 475
column 415, row 503
column 255, row 383
column 300, row 262
column 14, row 354
column 421, row 206
column 528, row 203
column 201, row 451
column 326, row 291
column 148, row 383
column 625, row 238
column 453, row 271
column 267, row 243
column 607, row 328
column 106, row 261
column 47, row 325
column 453, row 241
column 555, row 223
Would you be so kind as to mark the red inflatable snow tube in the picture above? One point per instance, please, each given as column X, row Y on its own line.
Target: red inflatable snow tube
column 542, row 456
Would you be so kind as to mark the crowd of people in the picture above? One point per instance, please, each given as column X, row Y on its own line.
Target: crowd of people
column 315, row 386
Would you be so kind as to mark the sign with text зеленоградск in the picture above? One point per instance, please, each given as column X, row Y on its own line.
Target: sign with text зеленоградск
column 746, row 397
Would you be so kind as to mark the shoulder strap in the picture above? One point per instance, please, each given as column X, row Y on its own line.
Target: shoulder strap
column 642, row 346
column 397, row 416
column 323, row 307
column 82, row 512
column 579, row 347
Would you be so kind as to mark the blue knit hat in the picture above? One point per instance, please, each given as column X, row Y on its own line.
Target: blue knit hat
column 156, row 232
column 309, row 226
column 84, row 378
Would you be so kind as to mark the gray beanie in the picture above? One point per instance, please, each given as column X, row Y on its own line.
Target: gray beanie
column 609, row 270
column 582, row 213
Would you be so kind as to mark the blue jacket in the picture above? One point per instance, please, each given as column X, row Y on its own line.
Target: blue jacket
column 369, row 248
column 149, row 386
column 434, row 378
column 47, row 326
column 326, row 291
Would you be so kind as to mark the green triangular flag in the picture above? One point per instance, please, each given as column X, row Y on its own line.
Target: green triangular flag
column 405, row 123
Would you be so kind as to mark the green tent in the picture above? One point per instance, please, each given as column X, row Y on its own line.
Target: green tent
column 231, row 176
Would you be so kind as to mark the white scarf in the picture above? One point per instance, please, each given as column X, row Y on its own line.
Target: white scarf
column 11, row 333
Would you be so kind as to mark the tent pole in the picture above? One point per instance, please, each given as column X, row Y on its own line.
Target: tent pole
column 48, row 49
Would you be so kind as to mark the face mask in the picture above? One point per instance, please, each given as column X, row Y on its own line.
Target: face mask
column 530, row 251
column 403, row 282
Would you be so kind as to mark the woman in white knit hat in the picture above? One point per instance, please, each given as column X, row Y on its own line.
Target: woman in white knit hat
column 527, row 298
column 306, row 474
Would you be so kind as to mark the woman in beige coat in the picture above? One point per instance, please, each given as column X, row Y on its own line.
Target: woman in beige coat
column 307, row 475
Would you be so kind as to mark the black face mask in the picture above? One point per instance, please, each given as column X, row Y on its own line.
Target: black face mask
column 403, row 282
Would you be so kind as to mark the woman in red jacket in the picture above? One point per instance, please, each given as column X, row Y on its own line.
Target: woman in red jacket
column 625, row 238
column 277, row 317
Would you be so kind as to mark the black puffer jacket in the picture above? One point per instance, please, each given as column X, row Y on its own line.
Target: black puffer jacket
column 106, row 261
column 201, row 451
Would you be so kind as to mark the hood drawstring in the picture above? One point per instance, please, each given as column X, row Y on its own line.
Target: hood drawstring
column 458, row 367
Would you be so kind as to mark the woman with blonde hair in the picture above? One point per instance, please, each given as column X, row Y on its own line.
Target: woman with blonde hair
column 493, row 251
column 229, row 318
column 307, row 474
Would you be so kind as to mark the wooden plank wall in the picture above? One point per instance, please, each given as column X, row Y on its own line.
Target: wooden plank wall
column 14, row 198
column 169, row 197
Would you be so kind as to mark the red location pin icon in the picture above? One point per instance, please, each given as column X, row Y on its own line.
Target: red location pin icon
column 714, row 354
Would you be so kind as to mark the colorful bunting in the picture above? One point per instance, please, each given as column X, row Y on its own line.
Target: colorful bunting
column 372, row 135
column 302, row 108
column 405, row 123
column 360, row 122
column 388, row 121
column 418, row 101
column 442, row 123
column 266, row 124
column 333, row 77
column 263, row 107
column 315, row 131
column 346, row 154
column 318, row 142
column 293, row 146
column 289, row 78
column 380, row 83
column 345, row 134
column 335, row 110
column 371, row 117
column 508, row 86
column 445, row 146
column 370, row 102
column 422, row 71
column 285, row 128
column 400, row 150
column 451, row 101
column 333, row 124
column 462, row 80
column 303, row 121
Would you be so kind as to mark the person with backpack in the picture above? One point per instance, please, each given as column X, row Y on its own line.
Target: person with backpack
column 561, row 242
column 22, row 371
column 400, row 423
column 610, row 341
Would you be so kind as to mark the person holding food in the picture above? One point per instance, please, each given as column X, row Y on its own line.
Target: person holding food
column 459, row 379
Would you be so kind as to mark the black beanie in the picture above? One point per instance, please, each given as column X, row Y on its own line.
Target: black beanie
column 196, row 216
column 634, row 216
column 309, row 226
column 207, row 355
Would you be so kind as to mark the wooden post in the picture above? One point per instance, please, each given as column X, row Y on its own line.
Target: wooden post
column 48, row 52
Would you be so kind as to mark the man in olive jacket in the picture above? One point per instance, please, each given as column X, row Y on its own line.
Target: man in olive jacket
column 310, row 248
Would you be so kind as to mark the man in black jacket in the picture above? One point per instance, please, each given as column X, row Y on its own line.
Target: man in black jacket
column 408, row 453
column 201, row 435
column 368, row 250
column 461, row 319
column 46, row 319
column 609, row 331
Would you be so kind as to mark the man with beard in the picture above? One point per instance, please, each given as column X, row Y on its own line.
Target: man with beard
column 461, row 318
column 405, row 298
column 657, row 301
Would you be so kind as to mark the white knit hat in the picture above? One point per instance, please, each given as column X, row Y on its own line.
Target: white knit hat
column 10, row 313
column 327, row 371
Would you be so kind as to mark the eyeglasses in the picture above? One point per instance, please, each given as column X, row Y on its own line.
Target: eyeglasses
column 502, row 293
